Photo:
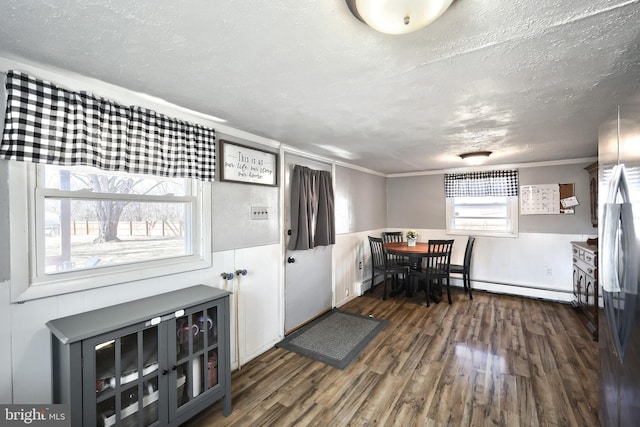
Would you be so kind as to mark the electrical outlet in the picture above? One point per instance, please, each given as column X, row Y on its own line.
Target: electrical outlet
column 259, row 212
column 549, row 271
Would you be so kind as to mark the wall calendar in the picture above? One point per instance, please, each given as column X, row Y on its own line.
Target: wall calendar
column 539, row 199
column 547, row 199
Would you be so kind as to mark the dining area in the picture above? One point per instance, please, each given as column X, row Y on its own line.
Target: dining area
column 412, row 266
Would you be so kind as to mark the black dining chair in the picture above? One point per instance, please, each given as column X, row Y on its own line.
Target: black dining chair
column 380, row 265
column 465, row 268
column 435, row 268
column 394, row 236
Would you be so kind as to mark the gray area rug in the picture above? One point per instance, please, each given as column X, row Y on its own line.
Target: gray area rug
column 335, row 338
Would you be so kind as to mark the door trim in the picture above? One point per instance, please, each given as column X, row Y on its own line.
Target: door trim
column 286, row 150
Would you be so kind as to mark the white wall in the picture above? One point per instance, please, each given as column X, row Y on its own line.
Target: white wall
column 255, row 304
column 232, row 227
column 6, row 376
column 352, row 265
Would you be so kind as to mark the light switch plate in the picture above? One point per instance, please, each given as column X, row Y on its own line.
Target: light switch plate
column 259, row 212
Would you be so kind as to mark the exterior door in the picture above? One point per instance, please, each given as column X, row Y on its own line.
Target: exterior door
column 308, row 274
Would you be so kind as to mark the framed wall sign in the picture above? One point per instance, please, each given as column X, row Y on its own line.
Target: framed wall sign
column 239, row 163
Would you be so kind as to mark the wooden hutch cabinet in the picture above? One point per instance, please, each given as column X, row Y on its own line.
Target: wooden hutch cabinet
column 585, row 283
column 156, row 361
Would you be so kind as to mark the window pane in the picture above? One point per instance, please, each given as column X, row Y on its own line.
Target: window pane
column 78, row 178
column 480, row 207
column 481, row 211
column 94, row 233
column 481, row 214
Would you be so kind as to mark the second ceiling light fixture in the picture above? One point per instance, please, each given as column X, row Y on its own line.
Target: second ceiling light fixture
column 398, row 16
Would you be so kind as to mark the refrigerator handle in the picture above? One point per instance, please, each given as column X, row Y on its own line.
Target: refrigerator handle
column 610, row 223
column 618, row 227
column 629, row 249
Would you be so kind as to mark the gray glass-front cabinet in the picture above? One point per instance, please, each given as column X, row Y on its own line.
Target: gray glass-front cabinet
column 152, row 362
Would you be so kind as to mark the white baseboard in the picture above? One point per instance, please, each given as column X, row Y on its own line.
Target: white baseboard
column 529, row 291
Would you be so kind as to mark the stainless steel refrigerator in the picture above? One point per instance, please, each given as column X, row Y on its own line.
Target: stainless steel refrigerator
column 618, row 260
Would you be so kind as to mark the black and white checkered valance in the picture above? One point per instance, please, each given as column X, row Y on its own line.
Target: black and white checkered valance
column 48, row 124
column 478, row 184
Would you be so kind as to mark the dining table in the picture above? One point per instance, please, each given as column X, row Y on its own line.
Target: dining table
column 415, row 253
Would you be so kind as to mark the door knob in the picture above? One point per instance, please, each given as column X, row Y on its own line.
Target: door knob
column 291, row 260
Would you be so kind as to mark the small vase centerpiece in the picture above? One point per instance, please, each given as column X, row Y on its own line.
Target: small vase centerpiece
column 412, row 235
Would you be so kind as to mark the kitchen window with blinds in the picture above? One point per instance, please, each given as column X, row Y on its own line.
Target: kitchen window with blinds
column 482, row 203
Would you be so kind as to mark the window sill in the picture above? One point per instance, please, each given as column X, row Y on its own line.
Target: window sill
column 79, row 281
column 483, row 233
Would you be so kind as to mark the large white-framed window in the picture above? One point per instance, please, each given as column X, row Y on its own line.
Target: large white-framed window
column 75, row 228
column 486, row 216
column 482, row 203
column 53, row 125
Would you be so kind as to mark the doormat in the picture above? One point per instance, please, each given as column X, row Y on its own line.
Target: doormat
column 335, row 338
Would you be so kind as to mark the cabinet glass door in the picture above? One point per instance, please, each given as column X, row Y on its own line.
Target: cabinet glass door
column 196, row 353
column 126, row 379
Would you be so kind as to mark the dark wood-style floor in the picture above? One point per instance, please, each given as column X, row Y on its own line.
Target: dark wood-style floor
column 497, row 360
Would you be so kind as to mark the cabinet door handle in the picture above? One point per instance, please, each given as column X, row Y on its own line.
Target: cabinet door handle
column 165, row 371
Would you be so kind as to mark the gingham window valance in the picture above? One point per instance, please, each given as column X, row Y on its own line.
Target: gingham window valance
column 48, row 124
column 478, row 184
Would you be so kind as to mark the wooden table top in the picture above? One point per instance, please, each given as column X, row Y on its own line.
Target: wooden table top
column 402, row 248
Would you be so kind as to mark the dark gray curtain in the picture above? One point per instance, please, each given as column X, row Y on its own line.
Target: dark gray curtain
column 312, row 209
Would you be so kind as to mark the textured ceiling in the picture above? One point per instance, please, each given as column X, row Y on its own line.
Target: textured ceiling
column 528, row 80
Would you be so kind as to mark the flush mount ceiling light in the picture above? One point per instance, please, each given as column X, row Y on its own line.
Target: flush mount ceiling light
column 476, row 157
column 398, row 16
